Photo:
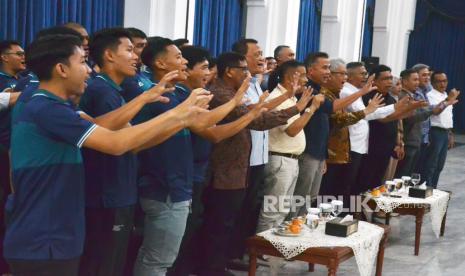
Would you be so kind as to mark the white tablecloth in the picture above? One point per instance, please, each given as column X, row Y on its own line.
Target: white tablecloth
column 364, row 243
column 438, row 202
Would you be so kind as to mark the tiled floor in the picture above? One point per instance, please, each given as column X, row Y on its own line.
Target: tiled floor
column 438, row 257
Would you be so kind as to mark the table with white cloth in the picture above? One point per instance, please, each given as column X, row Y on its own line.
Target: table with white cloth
column 315, row 247
column 435, row 205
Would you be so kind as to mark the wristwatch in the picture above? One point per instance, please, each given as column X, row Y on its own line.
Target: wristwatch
column 308, row 110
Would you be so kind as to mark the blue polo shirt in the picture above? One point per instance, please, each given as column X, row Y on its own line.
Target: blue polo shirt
column 6, row 81
column 111, row 181
column 47, row 215
column 166, row 169
column 317, row 130
column 25, row 82
column 28, row 85
column 134, row 86
column 201, row 147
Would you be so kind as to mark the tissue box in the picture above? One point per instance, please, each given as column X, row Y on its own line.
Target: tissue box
column 419, row 192
column 334, row 227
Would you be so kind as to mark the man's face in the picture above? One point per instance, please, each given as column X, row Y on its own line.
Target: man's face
column 303, row 76
column 440, row 82
column 139, row 45
column 172, row 60
column 85, row 41
column 319, row 71
column 124, row 58
column 199, row 74
column 397, row 87
column 237, row 74
column 271, row 64
column 212, row 75
column 383, row 82
column 77, row 73
column 285, row 55
column 411, row 83
column 424, row 75
column 337, row 79
column 14, row 59
column 358, row 76
column 255, row 59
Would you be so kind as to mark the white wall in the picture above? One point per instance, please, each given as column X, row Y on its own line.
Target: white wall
column 341, row 28
column 273, row 23
column 165, row 18
column 393, row 23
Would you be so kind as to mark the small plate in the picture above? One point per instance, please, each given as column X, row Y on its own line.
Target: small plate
column 287, row 233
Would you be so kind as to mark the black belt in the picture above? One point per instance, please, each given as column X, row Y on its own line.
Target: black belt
column 289, row 155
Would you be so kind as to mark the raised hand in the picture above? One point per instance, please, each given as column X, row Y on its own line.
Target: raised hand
column 375, row 103
column 195, row 104
column 368, row 87
column 259, row 108
column 317, row 101
column 239, row 97
column 304, row 99
column 295, row 86
column 155, row 93
column 452, row 96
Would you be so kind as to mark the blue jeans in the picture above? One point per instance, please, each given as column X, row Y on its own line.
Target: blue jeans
column 165, row 223
column 436, row 155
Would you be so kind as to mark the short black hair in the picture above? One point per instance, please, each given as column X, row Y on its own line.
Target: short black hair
column 134, row 32
column 44, row 53
column 407, row 73
column 354, row 64
column 73, row 25
column 277, row 76
column 228, row 60
column 278, row 49
column 58, row 30
column 212, row 62
column 180, row 41
column 313, row 57
column 378, row 69
column 194, row 55
column 106, row 39
column 5, row 45
column 241, row 47
column 155, row 47
column 435, row 73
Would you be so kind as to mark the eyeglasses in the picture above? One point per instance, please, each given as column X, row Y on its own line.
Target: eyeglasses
column 341, row 73
column 245, row 69
column 18, row 53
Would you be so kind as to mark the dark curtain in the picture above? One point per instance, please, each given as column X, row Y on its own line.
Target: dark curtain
column 438, row 39
column 22, row 19
column 368, row 28
column 308, row 38
column 217, row 24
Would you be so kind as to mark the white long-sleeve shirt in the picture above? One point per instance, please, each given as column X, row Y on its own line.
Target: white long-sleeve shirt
column 359, row 132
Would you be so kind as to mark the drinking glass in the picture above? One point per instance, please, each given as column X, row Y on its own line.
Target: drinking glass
column 326, row 209
column 337, row 207
column 406, row 180
column 399, row 184
column 312, row 222
column 415, row 178
column 390, row 186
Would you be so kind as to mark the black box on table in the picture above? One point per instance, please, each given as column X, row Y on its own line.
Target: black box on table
column 419, row 192
column 334, row 227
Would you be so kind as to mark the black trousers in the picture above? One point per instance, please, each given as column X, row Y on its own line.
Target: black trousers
column 4, row 192
column 107, row 236
column 188, row 258
column 250, row 211
column 44, row 268
column 373, row 169
column 222, row 211
column 354, row 168
column 333, row 182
